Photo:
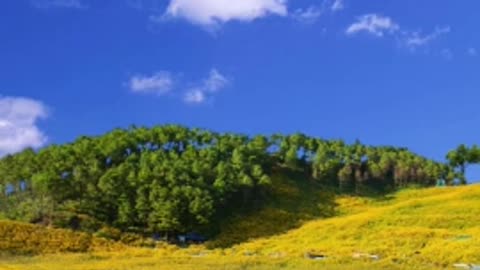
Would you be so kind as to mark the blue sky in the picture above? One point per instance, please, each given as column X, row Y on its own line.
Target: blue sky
column 390, row 72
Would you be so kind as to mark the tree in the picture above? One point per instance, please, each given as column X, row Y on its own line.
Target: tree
column 171, row 179
column 459, row 158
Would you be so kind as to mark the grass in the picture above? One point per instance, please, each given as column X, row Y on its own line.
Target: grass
column 412, row 229
column 292, row 202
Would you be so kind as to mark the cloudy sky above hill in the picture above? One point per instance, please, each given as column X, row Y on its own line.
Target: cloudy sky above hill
column 385, row 72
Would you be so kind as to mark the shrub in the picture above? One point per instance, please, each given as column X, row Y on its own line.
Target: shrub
column 109, row 233
column 136, row 240
column 22, row 239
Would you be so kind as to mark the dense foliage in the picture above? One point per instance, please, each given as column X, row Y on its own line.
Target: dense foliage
column 172, row 179
column 461, row 157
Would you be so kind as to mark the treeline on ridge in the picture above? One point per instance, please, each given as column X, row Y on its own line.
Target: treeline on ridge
column 172, row 179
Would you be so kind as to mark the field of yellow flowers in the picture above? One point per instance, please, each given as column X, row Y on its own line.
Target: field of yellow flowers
column 412, row 229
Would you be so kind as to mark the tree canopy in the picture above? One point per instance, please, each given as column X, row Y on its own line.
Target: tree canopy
column 175, row 179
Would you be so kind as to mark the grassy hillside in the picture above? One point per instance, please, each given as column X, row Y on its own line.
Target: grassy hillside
column 292, row 201
column 412, row 229
column 431, row 228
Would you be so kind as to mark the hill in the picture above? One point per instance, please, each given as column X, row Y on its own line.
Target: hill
column 411, row 229
column 169, row 180
column 420, row 228
column 263, row 201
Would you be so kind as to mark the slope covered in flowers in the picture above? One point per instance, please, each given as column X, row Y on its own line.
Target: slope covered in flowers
column 412, row 229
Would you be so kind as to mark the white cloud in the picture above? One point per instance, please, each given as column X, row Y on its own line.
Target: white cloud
column 374, row 24
column 214, row 83
column 313, row 13
column 194, row 96
column 58, row 4
column 472, row 51
column 415, row 39
column 18, row 124
column 214, row 12
column 379, row 26
column 163, row 82
column 159, row 83
column 309, row 15
column 337, row 5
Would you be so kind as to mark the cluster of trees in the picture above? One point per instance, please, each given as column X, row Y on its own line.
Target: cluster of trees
column 175, row 179
column 461, row 157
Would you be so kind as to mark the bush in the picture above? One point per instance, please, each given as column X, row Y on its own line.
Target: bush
column 75, row 222
column 20, row 238
column 26, row 239
column 136, row 240
column 109, row 233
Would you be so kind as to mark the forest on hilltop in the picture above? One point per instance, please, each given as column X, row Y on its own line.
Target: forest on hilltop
column 172, row 179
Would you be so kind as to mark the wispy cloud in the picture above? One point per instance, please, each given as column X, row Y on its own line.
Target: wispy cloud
column 374, row 24
column 194, row 96
column 159, row 83
column 309, row 15
column 472, row 51
column 191, row 92
column 416, row 39
column 214, row 83
column 18, row 124
column 44, row 4
column 211, row 13
column 383, row 26
column 337, row 5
